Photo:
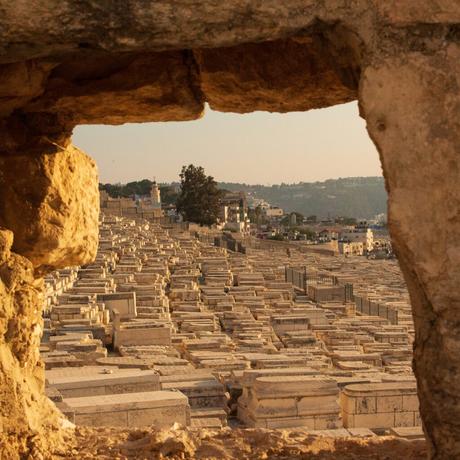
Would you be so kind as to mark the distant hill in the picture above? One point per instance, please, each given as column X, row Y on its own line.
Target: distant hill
column 360, row 197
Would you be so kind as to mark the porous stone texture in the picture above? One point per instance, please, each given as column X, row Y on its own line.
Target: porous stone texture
column 121, row 89
column 107, row 62
column 51, row 203
column 411, row 103
column 49, row 214
column 278, row 76
column 29, row 423
column 180, row 443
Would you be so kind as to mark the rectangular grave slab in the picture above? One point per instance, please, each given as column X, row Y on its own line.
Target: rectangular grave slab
column 160, row 409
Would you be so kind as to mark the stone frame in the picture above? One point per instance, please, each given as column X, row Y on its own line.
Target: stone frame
column 400, row 60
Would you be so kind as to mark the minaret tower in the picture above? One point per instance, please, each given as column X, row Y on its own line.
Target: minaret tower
column 155, row 195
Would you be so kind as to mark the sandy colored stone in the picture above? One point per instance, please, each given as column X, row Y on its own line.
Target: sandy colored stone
column 20, row 82
column 414, row 11
column 51, row 203
column 411, row 104
column 6, row 241
column 277, row 76
column 136, row 64
column 123, row 89
column 29, row 423
column 163, row 25
column 234, row 444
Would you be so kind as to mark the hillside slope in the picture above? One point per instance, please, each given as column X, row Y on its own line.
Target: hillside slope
column 360, row 197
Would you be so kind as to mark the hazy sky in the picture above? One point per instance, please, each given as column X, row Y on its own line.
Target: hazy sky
column 260, row 147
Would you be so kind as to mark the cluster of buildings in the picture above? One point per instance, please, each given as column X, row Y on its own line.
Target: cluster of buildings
column 167, row 327
column 358, row 240
column 267, row 222
column 234, row 212
column 146, row 207
column 233, row 215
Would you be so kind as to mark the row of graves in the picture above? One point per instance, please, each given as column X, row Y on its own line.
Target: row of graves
column 164, row 328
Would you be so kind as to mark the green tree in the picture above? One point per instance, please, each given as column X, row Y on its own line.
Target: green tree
column 127, row 190
column 168, row 194
column 199, row 198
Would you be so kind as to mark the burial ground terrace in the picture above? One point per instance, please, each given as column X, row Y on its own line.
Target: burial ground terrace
column 163, row 328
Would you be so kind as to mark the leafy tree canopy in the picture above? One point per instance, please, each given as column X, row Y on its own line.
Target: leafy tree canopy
column 199, row 198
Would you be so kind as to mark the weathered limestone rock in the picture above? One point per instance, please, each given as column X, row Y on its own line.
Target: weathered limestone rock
column 51, row 204
column 6, row 241
column 123, row 89
column 435, row 11
column 411, row 104
column 29, row 423
column 20, row 82
column 34, row 28
column 279, row 76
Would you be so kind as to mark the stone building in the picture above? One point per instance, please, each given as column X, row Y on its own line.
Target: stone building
column 150, row 207
column 361, row 233
column 234, row 212
column 143, row 207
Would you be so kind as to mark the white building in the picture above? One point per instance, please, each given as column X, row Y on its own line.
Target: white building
column 273, row 212
column 150, row 206
column 360, row 234
column 155, row 197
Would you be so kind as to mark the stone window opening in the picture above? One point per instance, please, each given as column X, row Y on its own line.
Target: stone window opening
column 400, row 61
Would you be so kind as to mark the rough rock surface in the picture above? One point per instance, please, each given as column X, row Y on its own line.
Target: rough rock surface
column 108, row 62
column 278, row 76
column 136, row 88
column 25, row 413
column 232, row 444
column 49, row 210
column 51, row 203
column 412, row 106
